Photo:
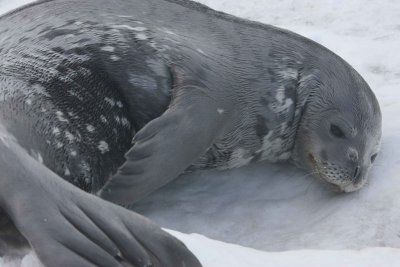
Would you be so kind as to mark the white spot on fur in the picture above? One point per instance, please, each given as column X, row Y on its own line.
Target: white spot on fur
column 36, row 155
column 67, row 172
column 110, row 101
column 78, row 136
column 200, row 51
column 283, row 156
column 39, row 89
column 286, row 105
column 117, row 119
column 103, row 118
column 280, row 94
column 56, row 131
column 288, row 73
column 43, row 110
column 119, row 104
column 60, row 116
column 307, row 78
column 108, row 48
column 168, row 31
column 126, row 27
column 141, row 36
column 28, row 101
column 239, row 158
column 90, row 128
column 69, row 136
column 103, row 147
column 125, row 121
column 74, row 93
column 271, row 149
column 139, row 29
column 40, row 158
column 85, row 166
column 59, row 145
column 78, row 23
column 220, row 111
column 282, row 104
column 124, row 16
column 73, row 153
column 155, row 46
column 115, row 58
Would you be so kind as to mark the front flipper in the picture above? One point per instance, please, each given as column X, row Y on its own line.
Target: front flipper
column 67, row 227
column 166, row 146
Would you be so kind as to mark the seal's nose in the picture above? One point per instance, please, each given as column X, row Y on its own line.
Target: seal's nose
column 352, row 155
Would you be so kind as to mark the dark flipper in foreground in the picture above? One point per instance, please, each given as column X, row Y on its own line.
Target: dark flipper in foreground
column 166, row 146
column 68, row 227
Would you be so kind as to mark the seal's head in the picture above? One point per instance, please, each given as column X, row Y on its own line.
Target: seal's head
column 339, row 134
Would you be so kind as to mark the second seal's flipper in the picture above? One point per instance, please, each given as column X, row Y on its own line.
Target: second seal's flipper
column 12, row 243
column 166, row 146
column 68, row 227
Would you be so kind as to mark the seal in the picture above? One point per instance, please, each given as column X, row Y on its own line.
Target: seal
column 121, row 98
column 69, row 227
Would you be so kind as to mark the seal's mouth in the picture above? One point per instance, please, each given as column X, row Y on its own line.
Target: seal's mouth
column 333, row 177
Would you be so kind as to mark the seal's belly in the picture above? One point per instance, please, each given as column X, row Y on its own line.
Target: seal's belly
column 76, row 104
column 80, row 134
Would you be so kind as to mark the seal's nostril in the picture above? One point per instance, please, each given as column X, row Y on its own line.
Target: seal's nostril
column 356, row 174
column 353, row 155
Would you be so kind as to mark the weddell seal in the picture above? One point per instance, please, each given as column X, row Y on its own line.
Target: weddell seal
column 121, row 97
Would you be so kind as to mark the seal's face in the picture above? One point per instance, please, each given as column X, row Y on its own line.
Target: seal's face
column 339, row 134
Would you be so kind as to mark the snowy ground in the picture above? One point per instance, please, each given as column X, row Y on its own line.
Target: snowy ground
column 277, row 208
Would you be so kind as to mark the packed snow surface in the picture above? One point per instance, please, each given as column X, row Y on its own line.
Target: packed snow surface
column 284, row 213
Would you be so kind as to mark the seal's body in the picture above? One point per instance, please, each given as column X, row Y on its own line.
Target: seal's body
column 189, row 87
column 99, row 76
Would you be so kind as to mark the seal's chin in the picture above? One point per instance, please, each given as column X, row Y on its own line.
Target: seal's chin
column 340, row 186
column 343, row 187
column 334, row 187
column 352, row 187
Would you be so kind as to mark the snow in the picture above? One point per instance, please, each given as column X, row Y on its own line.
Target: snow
column 287, row 215
column 218, row 254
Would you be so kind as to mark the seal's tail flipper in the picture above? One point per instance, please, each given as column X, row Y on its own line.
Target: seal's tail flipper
column 66, row 226
column 166, row 146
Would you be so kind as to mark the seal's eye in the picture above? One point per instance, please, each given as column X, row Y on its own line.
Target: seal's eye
column 373, row 157
column 336, row 131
